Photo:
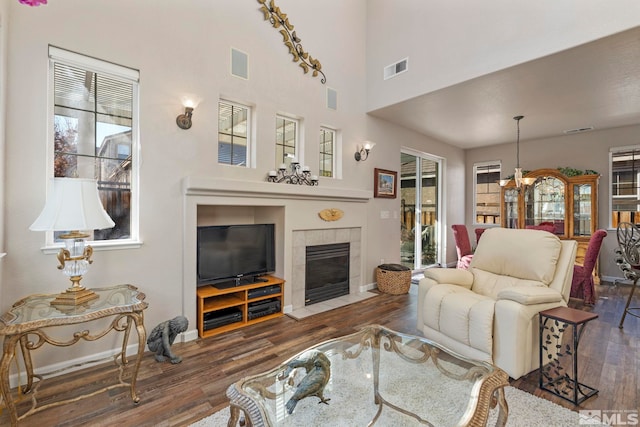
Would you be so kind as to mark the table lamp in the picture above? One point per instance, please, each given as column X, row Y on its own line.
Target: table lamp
column 73, row 206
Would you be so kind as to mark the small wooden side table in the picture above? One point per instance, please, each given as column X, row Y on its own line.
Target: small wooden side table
column 27, row 323
column 556, row 349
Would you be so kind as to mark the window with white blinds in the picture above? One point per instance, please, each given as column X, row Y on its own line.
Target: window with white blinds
column 233, row 133
column 624, row 164
column 94, row 129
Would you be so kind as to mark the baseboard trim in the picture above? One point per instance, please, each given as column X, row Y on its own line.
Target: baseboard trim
column 191, row 335
column 616, row 280
column 368, row 287
column 55, row 369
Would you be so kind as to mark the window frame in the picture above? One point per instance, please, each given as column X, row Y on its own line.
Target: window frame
column 248, row 153
column 297, row 152
column 612, row 196
column 334, row 147
column 476, row 167
column 118, row 72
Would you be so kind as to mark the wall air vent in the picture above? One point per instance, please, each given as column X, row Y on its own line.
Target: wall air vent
column 578, row 130
column 396, row 68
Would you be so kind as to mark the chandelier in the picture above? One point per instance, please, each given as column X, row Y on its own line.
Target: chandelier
column 519, row 179
column 300, row 175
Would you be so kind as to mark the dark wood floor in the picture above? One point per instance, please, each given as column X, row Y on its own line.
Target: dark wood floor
column 177, row 395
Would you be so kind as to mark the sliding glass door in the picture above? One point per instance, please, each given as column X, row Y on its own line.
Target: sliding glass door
column 420, row 194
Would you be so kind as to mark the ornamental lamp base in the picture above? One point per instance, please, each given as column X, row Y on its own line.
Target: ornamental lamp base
column 74, row 296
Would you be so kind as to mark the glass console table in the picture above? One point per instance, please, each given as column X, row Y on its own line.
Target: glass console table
column 28, row 322
column 373, row 377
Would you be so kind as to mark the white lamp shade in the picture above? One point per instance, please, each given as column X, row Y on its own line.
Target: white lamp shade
column 518, row 177
column 73, row 204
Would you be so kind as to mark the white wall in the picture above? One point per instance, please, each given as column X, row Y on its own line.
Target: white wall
column 582, row 151
column 183, row 47
column 4, row 26
column 456, row 40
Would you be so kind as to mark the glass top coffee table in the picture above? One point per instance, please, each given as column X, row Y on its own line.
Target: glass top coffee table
column 373, row 377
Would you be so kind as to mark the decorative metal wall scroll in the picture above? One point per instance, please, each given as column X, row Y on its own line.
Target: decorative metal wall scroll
column 279, row 20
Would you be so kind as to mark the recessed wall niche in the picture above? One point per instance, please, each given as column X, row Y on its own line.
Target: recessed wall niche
column 236, row 214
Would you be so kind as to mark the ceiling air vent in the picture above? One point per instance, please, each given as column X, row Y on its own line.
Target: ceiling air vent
column 578, row 130
column 395, row 69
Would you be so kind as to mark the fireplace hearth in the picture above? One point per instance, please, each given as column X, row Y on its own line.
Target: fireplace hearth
column 326, row 272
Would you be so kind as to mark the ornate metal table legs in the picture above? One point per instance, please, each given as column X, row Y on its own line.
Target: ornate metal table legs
column 556, row 348
column 9, row 349
column 627, row 309
column 121, row 323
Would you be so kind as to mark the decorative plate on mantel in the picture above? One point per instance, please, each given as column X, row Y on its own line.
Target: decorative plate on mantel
column 332, row 214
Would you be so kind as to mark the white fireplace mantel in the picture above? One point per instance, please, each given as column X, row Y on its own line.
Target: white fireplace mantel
column 205, row 186
column 293, row 208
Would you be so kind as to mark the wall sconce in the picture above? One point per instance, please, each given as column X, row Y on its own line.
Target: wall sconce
column 362, row 151
column 184, row 120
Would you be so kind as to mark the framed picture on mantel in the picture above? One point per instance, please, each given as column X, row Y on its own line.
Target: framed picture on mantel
column 384, row 183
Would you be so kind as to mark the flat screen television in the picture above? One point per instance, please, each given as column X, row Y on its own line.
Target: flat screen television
column 230, row 255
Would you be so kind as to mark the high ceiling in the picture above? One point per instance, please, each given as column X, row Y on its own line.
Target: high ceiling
column 595, row 85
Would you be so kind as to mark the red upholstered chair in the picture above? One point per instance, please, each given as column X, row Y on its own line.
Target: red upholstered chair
column 544, row 227
column 558, row 227
column 463, row 245
column 582, row 284
column 479, row 232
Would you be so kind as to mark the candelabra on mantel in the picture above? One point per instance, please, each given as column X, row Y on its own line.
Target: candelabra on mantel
column 300, row 175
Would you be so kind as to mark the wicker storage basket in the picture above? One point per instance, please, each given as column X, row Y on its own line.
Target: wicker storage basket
column 393, row 279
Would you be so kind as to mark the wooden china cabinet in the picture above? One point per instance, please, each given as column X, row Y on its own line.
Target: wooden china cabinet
column 570, row 204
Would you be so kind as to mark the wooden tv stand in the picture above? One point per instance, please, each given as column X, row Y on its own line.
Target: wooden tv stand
column 229, row 308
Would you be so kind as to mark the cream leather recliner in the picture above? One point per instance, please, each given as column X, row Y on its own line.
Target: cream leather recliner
column 490, row 312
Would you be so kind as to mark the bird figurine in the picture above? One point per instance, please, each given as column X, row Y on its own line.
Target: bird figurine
column 306, row 363
column 318, row 369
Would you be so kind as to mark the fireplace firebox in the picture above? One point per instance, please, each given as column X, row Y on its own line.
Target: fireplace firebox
column 326, row 272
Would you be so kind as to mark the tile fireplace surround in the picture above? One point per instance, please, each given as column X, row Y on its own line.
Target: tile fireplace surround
column 304, row 238
column 294, row 209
